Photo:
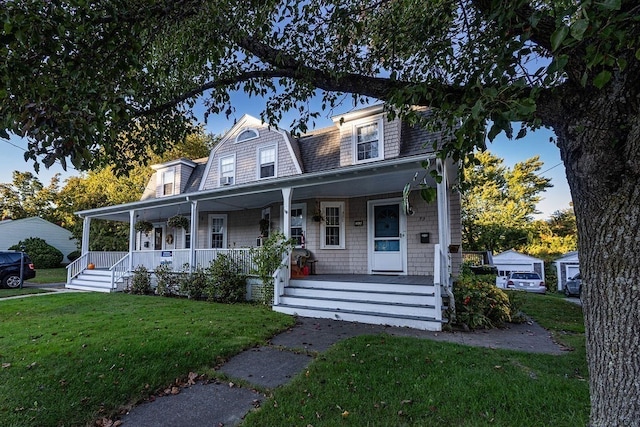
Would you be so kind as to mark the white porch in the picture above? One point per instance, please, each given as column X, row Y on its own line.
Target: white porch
column 383, row 302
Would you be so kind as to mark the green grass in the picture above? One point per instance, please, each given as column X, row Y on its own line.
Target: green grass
column 68, row 359
column 49, row 275
column 393, row 381
column 5, row 293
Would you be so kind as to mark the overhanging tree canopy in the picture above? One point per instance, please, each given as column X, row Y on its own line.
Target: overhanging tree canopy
column 82, row 80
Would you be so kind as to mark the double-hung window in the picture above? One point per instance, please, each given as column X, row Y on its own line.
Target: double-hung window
column 298, row 223
column 267, row 161
column 218, row 231
column 332, row 231
column 368, row 142
column 168, row 179
column 227, row 170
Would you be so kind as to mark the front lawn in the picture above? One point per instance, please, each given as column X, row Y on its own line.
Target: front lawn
column 49, row 275
column 67, row 359
column 392, row 381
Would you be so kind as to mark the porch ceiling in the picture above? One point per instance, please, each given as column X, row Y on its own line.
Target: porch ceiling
column 344, row 183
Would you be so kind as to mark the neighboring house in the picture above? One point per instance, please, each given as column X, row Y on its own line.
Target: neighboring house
column 511, row 260
column 13, row 231
column 375, row 260
column 567, row 266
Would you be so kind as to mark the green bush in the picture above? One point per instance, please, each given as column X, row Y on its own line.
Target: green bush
column 140, row 282
column 42, row 254
column 225, row 281
column 267, row 259
column 480, row 303
column 194, row 284
column 166, row 281
column 72, row 256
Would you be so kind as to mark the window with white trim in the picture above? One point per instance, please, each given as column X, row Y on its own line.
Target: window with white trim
column 332, row 230
column 246, row 135
column 187, row 238
column 217, row 231
column 298, row 223
column 368, row 144
column 265, row 223
column 227, row 170
column 168, row 180
column 267, row 162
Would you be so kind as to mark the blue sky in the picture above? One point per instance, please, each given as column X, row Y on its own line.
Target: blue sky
column 535, row 143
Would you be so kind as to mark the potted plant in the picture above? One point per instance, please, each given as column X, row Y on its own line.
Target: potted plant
column 317, row 216
column 178, row 221
column 264, row 227
column 143, row 226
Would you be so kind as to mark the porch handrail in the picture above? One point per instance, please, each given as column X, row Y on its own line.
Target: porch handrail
column 442, row 281
column 105, row 259
column 281, row 277
column 77, row 266
column 119, row 269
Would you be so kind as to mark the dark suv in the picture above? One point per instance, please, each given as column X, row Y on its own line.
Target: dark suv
column 10, row 269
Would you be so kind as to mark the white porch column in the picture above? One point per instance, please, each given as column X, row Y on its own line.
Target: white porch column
column 193, row 229
column 132, row 237
column 286, row 221
column 86, row 227
column 444, row 223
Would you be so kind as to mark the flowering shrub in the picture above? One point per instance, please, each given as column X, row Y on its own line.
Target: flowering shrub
column 479, row 303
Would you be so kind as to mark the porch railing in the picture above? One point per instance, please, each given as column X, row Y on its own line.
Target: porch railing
column 76, row 267
column 281, row 278
column 175, row 259
column 118, row 270
column 105, row 259
column 442, row 280
column 241, row 256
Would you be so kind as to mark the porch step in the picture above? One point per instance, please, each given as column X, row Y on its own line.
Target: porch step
column 395, row 304
column 417, row 322
column 92, row 280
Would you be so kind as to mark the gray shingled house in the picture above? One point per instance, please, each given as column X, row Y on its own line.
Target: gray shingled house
column 375, row 257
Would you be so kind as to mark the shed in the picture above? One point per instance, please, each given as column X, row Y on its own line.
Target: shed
column 13, row 231
column 511, row 260
column 567, row 266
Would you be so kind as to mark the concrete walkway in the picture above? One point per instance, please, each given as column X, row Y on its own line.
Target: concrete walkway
column 286, row 355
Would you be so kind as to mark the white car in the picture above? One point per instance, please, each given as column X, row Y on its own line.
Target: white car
column 529, row 281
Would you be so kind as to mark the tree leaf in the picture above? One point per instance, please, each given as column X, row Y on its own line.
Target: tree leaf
column 610, row 4
column 578, row 28
column 558, row 37
column 602, row 79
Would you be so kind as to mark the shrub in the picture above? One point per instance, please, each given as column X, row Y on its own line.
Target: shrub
column 41, row 253
column 479, row 303
column 194, row 284
column 225, row 281
column 267, row 259
column 140, row 282
column 166, row 281
column 72, row 256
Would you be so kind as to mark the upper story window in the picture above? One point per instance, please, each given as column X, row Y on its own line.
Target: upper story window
column 168, row 182
column 368, row 142
column 332, row 231
column 227, row 170
column 247, row 134
column 267, row 162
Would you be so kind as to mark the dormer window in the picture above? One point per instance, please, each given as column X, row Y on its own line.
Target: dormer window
column 368, row 142
column 227, row 170
column 246, row 135
column 168, row 181
column 267, row 162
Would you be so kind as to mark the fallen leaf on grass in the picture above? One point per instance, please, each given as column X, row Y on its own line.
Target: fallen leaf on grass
column 6, row 365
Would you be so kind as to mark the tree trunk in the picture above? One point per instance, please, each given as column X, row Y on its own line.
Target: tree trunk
column 599, row 137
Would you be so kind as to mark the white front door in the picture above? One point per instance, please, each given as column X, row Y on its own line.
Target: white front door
column 387, row 237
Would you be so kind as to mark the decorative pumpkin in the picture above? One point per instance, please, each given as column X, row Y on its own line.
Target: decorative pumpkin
column 91, row 266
